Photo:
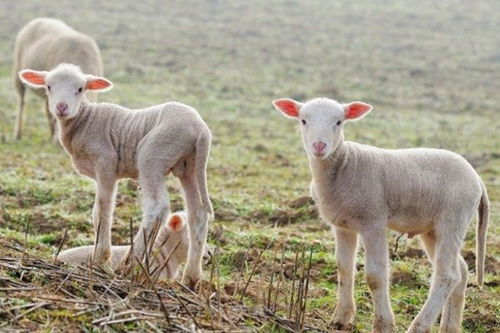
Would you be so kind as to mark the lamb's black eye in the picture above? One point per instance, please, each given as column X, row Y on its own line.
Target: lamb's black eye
column 80, row 89
column 48, row 87
column 339, row 122
column 303, row 122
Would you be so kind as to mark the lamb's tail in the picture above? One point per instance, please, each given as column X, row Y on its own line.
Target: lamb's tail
column 482, row 227
column 201, row 160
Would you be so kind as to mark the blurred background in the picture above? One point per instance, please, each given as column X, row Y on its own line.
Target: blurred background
column 431, row 69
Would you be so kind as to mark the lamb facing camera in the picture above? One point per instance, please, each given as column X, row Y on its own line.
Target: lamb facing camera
column 362, row 190
column 107, row 142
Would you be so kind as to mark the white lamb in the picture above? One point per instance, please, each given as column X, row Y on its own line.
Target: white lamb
column 42, row 44
column 363, row 190
column 171, row 244
column 107, row 142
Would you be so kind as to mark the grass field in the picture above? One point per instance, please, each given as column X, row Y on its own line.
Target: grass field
column 432, row 72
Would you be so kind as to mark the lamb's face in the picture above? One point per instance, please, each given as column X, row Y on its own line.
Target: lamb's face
column 321, row 121
column 65, row 89
column 321, row 126
column 65, row 86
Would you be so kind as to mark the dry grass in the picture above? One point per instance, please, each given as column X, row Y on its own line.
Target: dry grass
column 88, row 296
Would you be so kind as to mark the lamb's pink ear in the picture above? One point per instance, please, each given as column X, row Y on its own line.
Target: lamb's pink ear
column 288, row 107
column 175, row 222
column 35, row 79
column 98, row 83
column 356, row 110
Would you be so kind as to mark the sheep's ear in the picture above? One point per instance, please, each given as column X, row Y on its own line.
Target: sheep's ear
column 34, row 79
column 175, row 222
column 356, row 110
column 288, row 107
column 99, row 84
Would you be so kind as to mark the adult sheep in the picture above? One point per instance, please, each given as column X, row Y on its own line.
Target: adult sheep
column 41, row 45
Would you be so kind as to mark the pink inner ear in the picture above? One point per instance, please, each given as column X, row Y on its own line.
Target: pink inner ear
column 33, row 78
column 98, row 84
column 288, row 107
column 356, row 110
column 175, row 223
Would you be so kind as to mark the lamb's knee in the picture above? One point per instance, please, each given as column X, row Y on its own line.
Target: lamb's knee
column 464, row 271
column 447, row 281
column 376, row 277
column 373, row 281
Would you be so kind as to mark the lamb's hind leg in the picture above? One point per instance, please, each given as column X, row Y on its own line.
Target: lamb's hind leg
column 198, row 229
column 446, row 276
column 155, row 208
column 451, row 317
column 21, row 89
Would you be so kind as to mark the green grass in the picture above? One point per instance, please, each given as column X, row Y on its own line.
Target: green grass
column 431, row 71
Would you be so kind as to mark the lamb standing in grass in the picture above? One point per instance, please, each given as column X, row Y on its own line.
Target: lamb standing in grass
column 107, row 142
column 44, row 43
column 362, row 190
column 172, row 244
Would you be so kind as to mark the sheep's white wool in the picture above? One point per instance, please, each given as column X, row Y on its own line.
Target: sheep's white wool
column 363, row 190
column 171, row 243
column 107, row 142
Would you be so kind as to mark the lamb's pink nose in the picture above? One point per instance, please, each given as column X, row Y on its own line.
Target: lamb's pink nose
column 61, row 107
column 319, row 147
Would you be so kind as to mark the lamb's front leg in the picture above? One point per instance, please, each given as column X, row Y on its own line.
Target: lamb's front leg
column 377, row 277
column 102, row 216
column 346, row 243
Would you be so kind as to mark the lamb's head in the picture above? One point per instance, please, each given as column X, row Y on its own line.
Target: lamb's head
column 65, row 86
column 174, row 236
column 321, row 121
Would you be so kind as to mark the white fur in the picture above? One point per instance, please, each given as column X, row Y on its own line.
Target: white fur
column 168, row 239
column 363, row 190
column 107, row 142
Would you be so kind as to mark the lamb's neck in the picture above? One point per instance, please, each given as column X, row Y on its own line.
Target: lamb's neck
column 68, row 127
column 330, row 167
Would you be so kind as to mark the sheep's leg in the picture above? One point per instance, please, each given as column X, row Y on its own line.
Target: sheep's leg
column 429, row 242
column 155, row 209
column 102, row 216
column 451, row 317
column 21, row 89
column 51, row 120
column 197, row 218
column 377, row 277
column 346, row 243
column 445, row 279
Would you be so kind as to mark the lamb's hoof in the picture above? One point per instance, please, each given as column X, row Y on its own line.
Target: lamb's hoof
column 107, row 268
column 342, row 327
column 190, row 283
column 416, row 328
column 383, row 326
